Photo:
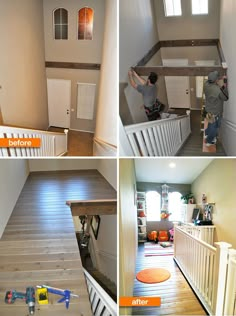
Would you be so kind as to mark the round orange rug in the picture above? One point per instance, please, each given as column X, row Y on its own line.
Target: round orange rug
column 153, row 275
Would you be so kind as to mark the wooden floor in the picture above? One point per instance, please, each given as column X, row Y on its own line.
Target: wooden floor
column 39, row 244
column 177, row 298
column 193, row 145
column 79, row 143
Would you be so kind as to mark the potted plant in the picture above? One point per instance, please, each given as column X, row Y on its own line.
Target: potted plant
column 188, row 198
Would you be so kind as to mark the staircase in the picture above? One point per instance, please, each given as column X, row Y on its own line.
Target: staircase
column 52, row 144
column 108, row 286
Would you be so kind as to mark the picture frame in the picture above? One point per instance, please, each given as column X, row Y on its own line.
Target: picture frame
column 95, row 223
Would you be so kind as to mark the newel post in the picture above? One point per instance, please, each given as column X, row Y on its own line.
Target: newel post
column 221, row 261
column 230, row 284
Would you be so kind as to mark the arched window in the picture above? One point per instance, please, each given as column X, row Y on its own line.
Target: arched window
column 85, row 24
column 153, row 205
column 175, row 207
column 60, row 19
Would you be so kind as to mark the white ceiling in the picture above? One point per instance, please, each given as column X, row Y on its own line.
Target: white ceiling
column 157, row 169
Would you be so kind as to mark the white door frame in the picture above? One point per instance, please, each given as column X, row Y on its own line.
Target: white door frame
column 59, row 117
column 178, row 62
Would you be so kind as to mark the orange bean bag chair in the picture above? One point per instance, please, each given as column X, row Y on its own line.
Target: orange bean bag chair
column 163, row 235
column 152, row 235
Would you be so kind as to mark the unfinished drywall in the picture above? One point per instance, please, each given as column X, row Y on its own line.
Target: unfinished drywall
column 188, row 26
column 13, row 176
column 23, row 97
column 127, row 229
column 138, row 34
column 61, row 164
column 228, row 41
column 218, row 182
column 73, row 50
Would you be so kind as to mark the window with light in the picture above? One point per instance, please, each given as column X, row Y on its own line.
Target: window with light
column 153, row 206
column 175, row 207
column 85, row 24
column 60, row 21
column 172, row 7
column 199, row 7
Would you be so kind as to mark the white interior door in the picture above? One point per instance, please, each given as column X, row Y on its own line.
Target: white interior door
column 177, row 87
column 59, row 99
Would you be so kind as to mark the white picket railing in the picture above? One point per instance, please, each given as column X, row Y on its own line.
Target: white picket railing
column 101, row 302
column 159, row 138
column 205, row 268
column 52, row 143
column 230, row 292
column 205, row 233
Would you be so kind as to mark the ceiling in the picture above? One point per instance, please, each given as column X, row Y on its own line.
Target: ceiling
column 157, row 169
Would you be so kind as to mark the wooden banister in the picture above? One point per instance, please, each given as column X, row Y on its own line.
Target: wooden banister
column 93, row 207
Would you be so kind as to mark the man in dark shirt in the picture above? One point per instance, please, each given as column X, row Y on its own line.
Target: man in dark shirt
column 147, row 88
column 215, row 97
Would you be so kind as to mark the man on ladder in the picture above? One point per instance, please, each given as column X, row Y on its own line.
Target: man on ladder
column 215, row 97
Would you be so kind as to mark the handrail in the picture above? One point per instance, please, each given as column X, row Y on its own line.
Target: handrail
column 140, row 126
column 102, row 142
column 99, row 298
column 9, row 128
column 198, row 240
column 90, row 202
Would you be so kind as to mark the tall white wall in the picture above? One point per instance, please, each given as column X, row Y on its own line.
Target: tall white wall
column 106, row 121
column 13, row 176
column 108, row 168
column 128, row 242
column 106, row 244
column 228, row 41
column 188, row 26
column 23, row 97
column 74, row 50
column 138, row 32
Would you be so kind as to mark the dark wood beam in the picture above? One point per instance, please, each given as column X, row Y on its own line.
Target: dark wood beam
column 179, row 71
column 93, row 207
column 70, row 65
column 190, row 43
column 149, row 55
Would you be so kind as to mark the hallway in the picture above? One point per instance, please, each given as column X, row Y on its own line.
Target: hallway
column 39, row 245
column 177, row 298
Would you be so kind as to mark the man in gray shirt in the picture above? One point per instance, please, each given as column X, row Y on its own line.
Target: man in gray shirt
column 215, row 97
column 148, row 89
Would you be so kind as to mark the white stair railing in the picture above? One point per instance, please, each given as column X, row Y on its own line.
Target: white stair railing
column 205, row 268
column 204, row 233
column 101, row 302
column 159, row 138
column 52, row 143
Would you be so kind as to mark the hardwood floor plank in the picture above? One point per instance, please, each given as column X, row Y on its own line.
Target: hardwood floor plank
column 39, row 243
column 177, row 298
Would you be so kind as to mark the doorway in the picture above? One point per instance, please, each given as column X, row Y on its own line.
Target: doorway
column 59, row 100
column 177, row 87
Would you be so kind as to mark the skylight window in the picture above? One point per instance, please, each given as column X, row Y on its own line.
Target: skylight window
column 199, row 7
column 172, row 7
